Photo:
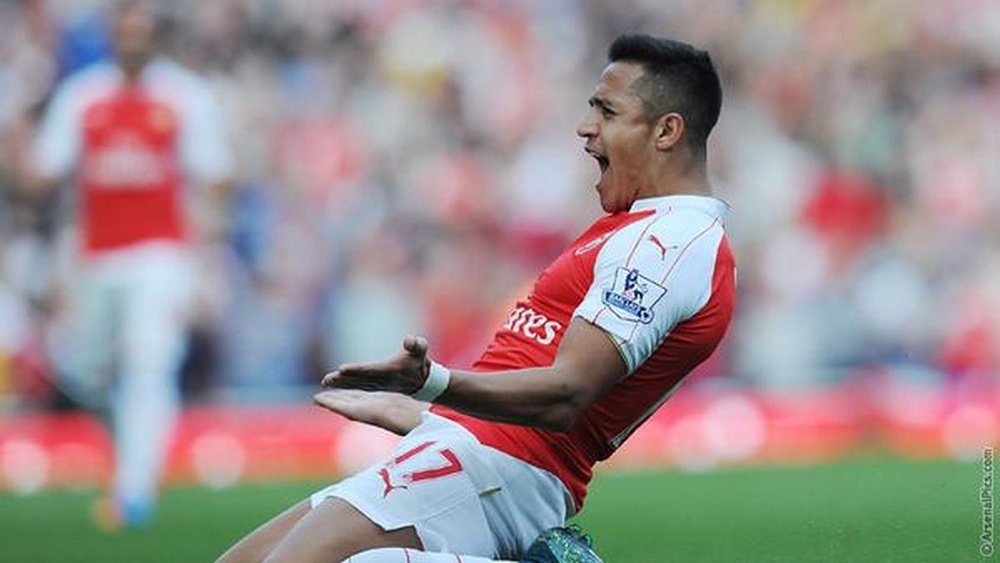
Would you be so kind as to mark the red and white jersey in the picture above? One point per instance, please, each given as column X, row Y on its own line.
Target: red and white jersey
column 132, row 149
column 660, row 280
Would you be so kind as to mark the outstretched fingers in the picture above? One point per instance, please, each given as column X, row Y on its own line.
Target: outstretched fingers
column 339, row 401
column 362, row 376
column 395, row 374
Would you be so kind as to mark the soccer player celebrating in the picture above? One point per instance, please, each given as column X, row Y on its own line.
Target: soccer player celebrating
column 132, row 134
column 606, row 334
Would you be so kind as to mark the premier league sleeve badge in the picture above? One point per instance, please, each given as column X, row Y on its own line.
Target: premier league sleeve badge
column 632, row 296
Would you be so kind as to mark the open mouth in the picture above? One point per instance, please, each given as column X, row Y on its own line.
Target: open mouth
column 602, row 161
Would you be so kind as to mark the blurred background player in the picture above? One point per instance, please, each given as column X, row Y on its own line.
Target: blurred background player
column 133, row 135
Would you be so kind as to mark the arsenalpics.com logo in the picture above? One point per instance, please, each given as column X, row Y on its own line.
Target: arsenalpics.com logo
column 632, row 296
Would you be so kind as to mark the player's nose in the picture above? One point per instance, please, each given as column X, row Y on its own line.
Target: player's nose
column 587, row 127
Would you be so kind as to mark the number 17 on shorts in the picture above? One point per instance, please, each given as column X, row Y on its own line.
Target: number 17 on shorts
column 410, row 467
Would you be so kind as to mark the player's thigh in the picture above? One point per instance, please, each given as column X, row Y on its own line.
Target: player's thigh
column 159, row 299
column 259, row 543
column 95, row 323
column 333, row 531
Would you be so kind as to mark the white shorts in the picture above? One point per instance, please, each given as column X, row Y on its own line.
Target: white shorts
column 132, row 308
column 460, row 496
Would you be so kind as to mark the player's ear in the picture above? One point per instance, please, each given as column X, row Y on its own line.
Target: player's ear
column 669, row 130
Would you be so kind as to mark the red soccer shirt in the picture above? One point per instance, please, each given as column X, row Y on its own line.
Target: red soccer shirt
column 129, row 172
column 660, row 280
column 133, row 148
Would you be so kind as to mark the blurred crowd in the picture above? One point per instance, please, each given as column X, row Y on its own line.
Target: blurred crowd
column 408, row 166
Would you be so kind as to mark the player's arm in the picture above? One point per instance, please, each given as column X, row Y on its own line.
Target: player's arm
column 390, row 411
column 53, row 152
column 207, row 156
column 586, row 366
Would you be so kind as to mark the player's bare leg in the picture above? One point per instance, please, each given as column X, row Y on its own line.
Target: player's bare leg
column 257, row 545
column 335, row 530
column 405, row 555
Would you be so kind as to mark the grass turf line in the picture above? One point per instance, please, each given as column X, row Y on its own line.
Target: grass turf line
column 859, row 510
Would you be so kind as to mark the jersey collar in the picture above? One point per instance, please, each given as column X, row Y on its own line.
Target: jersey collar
column 711, row 206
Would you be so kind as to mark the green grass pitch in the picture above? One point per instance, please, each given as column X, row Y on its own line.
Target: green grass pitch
column 854, row 511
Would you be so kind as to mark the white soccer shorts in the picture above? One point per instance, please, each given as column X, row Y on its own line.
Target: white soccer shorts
column 460, row 496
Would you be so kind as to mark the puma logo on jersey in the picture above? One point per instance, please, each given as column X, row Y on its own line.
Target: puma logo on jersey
column 538, row 327
column 663, row 247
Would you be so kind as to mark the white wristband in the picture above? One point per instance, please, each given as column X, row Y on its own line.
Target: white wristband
column 435, row 384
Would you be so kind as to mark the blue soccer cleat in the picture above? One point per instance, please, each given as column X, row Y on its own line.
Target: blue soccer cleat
column 562, row 545
column 114, row 516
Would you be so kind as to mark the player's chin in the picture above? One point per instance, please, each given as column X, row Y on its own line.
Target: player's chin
column 608, row 206
column 609, row 203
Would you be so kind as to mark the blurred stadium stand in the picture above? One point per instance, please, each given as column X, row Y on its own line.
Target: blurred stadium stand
column 408, row 166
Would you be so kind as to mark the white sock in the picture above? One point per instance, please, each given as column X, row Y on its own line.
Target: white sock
column 403, row 555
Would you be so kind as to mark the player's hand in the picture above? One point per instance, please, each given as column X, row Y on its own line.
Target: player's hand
column 405, row 373
column 390, row 411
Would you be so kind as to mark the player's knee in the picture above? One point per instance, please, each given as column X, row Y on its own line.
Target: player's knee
column 380, row 555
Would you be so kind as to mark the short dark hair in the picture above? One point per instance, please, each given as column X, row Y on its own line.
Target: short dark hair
column 676, row 77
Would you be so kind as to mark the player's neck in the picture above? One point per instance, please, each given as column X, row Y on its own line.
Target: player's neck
column 676, row 180
column 132, row 69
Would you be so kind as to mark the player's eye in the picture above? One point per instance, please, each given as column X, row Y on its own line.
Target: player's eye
column 602, row 107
